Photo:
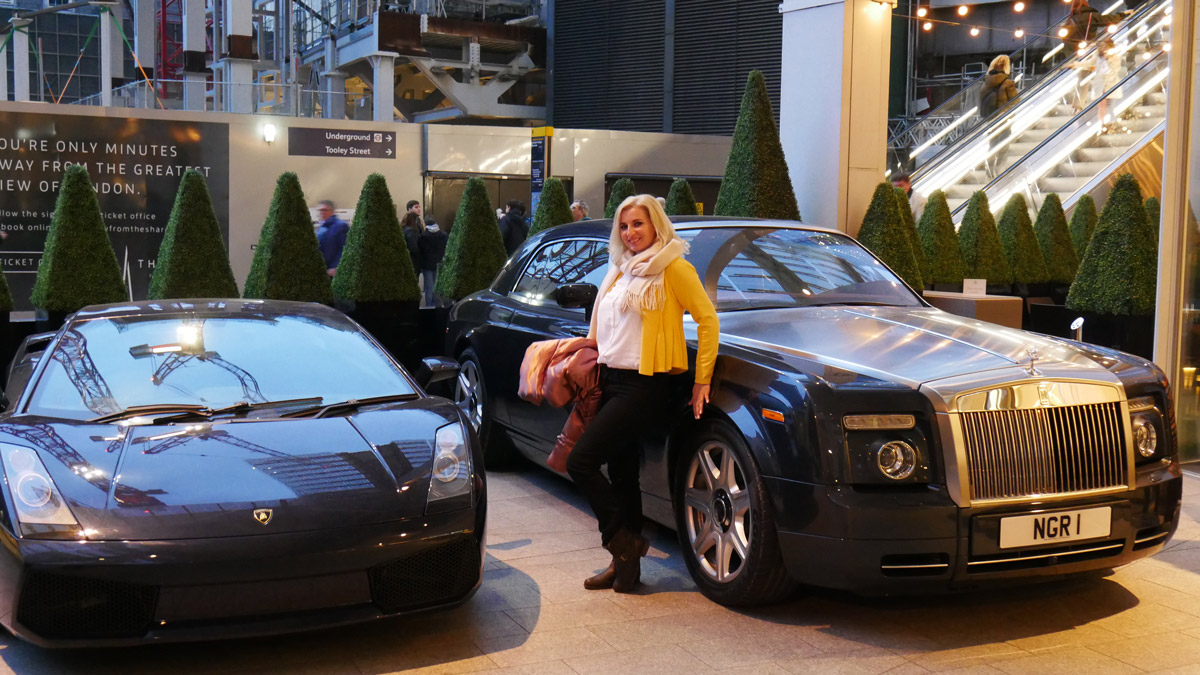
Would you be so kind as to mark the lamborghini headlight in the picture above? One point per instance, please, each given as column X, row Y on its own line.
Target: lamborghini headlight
column 450, row 479
column 41, row 511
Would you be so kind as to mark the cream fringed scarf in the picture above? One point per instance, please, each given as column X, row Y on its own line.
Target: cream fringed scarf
column 646, row 290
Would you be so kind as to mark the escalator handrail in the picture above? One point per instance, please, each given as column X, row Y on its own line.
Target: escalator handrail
column 1046, row 81
column 1064, row 128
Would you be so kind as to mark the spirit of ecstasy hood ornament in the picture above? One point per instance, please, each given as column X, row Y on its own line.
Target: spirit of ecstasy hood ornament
column 1033, row 358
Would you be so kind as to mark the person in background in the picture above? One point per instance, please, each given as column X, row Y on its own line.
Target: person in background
column 331, row 235
column 580, row 210
column 1086, row 23
column 412, row 226
column 512, row 226
column 999, row 90
column 431, row 248
column 915, row 199
column 413, row 206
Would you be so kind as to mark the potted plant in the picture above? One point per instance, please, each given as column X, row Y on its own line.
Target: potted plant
column 1083, row 223
column 883, row 233
column 375, row 276
column 756, row 183
column 914, row 239
column 475, row 251
column 621, row 190
column 287, row 263
column 1021, row 249
column 981, row 248
column 939, row 242
column 1054, row 240
column 1117, row 277
column 553, row 208
column 78, row 266
column 192, row 259
column 680, row 200
column 1153, row 216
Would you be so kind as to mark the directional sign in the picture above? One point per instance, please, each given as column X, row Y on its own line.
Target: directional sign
column 539, row 169
column 341, row 143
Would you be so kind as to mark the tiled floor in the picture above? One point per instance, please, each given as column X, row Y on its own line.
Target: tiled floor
column 533, row 616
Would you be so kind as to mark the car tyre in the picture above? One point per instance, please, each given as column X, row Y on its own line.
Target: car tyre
column 725, row 521
column 470, row 394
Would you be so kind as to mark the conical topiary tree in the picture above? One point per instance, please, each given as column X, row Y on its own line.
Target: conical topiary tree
column 680, row 200
column 553, row 208
column 78, row 267
column 1083, row 223
column 940, row 242
column 287, row 263
column 375, row 264
column 6, row 299
column 621, row 190
column 910, row 230
column 1153, row 216
column 980, row 243
column 1020, row 243
column 1117, row 275
column 756, row 183
column 192, row 259
column 1055, row 241
column 882, row 232
column 475, row 251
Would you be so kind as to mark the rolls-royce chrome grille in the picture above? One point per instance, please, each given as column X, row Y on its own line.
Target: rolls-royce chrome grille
column 1044, row 451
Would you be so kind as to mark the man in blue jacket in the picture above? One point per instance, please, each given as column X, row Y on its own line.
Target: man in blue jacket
column 331, row 235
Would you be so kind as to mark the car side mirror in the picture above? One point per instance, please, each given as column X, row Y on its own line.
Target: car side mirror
column 574, row 296
column 436, row 369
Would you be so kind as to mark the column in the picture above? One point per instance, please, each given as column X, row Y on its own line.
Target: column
column 238, row 66
column 333, row 94
column 835, row 52
column 3, row 62
column 145, row 36
column 20, row 47
column 383, row 84
column 108, row 33
column 194, row 66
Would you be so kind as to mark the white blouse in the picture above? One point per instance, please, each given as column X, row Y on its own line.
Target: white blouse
column 618, row 334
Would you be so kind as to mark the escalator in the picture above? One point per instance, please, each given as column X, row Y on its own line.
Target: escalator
column 1059, row 137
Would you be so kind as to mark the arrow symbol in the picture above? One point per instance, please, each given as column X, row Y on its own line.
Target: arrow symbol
column 389, row 137
column 389, row 152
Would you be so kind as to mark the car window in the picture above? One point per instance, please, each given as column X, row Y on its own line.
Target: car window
column 102, row 366
column 565, row 261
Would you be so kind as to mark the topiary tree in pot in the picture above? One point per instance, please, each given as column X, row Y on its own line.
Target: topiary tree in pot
column 883, row 233
column 1153, row 216
column 1083, row 223
column 554, row 208
column 981, row 248
column 1021, row 249
column 287, row 263
column 192, row 259
column 375, row 274
column 939, row 242
column 1054, row 239
column 756, row 183
column 1118, row 274
column 78, row 265
column 680, row 200
column 475, row 252
column 914, row 239
column 621, row 190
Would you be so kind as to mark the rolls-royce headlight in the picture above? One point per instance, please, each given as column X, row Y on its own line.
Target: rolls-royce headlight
column 41, row 511
column 450, row 479
column 1145, row 436
column 897, row 460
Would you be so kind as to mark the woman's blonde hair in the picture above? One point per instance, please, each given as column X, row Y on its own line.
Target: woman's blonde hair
column 663, row 228
column 1001, row 63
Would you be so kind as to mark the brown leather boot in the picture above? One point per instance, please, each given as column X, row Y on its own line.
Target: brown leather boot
column 627, row 549
column 602, row 580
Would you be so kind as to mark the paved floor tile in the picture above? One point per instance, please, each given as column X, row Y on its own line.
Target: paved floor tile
column 548, row 646
column 1077, row 661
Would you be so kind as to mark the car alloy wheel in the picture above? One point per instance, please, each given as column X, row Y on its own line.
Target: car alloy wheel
column 717, row 512
column 470, row 393
column 466, row 393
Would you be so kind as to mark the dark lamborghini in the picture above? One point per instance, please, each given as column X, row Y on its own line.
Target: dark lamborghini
column 857, row 437
column 188, row 470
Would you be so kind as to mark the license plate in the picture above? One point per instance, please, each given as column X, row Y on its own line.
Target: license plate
column 1052, row 528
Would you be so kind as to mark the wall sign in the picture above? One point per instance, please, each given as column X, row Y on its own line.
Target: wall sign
column 341, row 143
column 135, row 166
column 539, row 165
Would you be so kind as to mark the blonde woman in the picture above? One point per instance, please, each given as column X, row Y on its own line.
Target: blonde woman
column 638, row 328
column 998, row 90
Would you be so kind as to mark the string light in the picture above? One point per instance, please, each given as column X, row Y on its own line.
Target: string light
column 1019, row 7
column 1166, row 46
column 1112, row 28
column 962, row 10
column 922, row 11
column 1062, row 32
column 1019, row 33
column 928, row 25
column 974, row 31
column 1083, row 45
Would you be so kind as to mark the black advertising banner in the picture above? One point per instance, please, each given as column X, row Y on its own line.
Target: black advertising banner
column 135, row 166
column 539, row 164
column 341, row 143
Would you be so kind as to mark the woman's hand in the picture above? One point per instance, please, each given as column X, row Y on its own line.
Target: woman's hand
column 699, row 398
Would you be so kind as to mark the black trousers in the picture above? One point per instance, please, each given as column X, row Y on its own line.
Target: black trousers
column 632, row 407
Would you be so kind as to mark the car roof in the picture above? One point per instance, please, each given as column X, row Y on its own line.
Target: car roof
column 604, row 225
column 208, row 307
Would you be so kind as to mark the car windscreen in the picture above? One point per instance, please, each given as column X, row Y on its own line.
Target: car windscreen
column 756, row 268
column 103, row 366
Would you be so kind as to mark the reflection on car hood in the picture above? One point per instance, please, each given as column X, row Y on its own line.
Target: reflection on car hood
column 908, row 345
column 207, row 480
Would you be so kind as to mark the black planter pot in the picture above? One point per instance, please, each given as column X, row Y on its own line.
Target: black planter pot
column 1058, row 293
column 393, row 324
column 1031, row 290
column 948, row 288
column 1133, row 334
column 999, row 289
column 1051, row 319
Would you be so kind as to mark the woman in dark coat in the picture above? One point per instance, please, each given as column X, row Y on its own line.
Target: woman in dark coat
column 998, row 90
column 1086, row 23
column 432, row 248
column 412, row 228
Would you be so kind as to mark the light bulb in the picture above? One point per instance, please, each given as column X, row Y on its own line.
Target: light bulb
column 927, row 25
column 922, row 11
column 1019, row 7
column 1062, row 32
column 1019, row 33
column 974, row 31
column 962, row 10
